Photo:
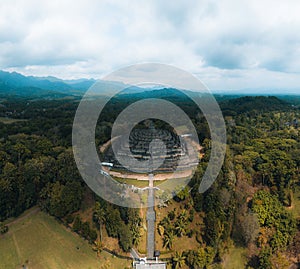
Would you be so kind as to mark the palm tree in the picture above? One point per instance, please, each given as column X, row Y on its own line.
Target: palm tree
column 161, row 229
column 183, row 215
column 136, row 235
column 99, row 216
column 168, row 239
column 180, row 226
column 178, row 260
column 98, row 247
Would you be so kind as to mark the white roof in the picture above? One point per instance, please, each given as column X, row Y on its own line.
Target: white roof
column 151, row 266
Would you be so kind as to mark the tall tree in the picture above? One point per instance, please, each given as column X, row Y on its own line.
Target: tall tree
column 99, row 216
column 168, row 239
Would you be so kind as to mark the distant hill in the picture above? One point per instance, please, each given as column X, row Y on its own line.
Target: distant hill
column 251, row 103
column 17, row 84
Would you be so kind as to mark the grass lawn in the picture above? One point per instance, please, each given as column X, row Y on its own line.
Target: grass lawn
column 134, row 182
column 235, row 259
column 42, row 242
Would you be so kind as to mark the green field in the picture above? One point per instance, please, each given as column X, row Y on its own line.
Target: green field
column 41, row 242
column 134, row 182
column 138, row 183
column 235, row 259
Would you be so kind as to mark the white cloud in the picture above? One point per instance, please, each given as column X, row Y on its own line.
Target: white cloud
column 230, row 43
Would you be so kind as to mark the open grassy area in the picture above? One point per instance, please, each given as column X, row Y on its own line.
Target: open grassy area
column 134, row 182
column 41, row 242
column 139, row 183
column 235, row 259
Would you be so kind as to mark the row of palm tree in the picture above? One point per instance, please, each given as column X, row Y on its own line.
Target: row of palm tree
column 168, row 229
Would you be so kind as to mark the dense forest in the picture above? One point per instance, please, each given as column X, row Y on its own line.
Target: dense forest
column 248, row 205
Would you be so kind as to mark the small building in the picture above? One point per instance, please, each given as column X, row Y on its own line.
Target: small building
column 149, row 265
column 156, row 253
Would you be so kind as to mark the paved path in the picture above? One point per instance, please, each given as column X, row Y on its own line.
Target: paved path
column 134, row 254
column 150, row 219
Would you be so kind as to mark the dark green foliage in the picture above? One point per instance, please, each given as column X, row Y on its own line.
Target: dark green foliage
column 215, row 219
column 93, row 235
column 126, row 229
column 69, row 219
column 271, row 214
column 60, row 200
column 33, row 169
column 3, row 228
column 201, row 258
column 77, row 224
column 250, row 103
column 125, row 238
column 171, row 215
column 182, row 194
column 264, row 259
column 113, row 222
column 85, row 230
column 191, row 215
column 190, row 233
column 198, row 202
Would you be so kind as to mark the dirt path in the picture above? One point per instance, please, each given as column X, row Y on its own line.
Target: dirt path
column 17, row 247
column 32, row 211
column 161, row 176
column 103, row 147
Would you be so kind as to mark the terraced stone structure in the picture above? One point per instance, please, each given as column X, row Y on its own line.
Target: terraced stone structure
column 140, row 147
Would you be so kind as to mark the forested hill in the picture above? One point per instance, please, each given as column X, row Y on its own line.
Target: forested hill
column 15, row 84
column 251, row 103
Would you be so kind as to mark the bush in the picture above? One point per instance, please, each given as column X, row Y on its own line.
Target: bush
column 93, row 235
column 171, row 215
column 77, row 224
column 190, row 233
column 3, row 228
column 85, row 229
column 69, row 219
column 191, row 216
column 125, row 238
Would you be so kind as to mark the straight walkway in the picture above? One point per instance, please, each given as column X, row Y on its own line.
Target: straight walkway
column 150, row 219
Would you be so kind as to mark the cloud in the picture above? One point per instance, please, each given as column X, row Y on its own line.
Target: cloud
column 215, row 39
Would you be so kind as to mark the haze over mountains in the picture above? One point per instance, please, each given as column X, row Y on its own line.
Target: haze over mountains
column 13, row 83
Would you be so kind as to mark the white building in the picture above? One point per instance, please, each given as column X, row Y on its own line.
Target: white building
column 143, row 263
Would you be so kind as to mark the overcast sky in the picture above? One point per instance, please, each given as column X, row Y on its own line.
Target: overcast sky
column 228, row 44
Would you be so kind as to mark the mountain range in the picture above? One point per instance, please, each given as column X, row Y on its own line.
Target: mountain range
column 16, row 84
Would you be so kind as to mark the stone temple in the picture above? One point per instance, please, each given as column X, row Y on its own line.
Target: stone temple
column 140, row 140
